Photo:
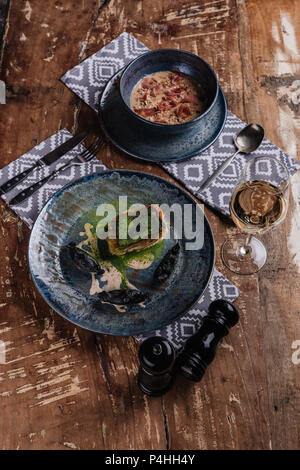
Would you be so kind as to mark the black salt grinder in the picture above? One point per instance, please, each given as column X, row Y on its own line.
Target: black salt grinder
column 157, row 358
column 200, row 349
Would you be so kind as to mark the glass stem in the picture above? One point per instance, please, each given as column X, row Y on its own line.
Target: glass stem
column 245, row 249
column 248, row 240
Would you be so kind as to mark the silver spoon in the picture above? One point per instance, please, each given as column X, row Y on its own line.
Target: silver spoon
column 246, row 141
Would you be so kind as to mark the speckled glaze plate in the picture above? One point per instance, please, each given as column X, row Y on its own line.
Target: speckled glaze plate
column 67, row 289
column 132, row 138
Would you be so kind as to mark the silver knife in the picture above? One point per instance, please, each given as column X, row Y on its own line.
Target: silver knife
column 46, row 160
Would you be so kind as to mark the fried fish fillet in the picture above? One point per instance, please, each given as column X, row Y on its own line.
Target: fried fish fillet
column 151, row 229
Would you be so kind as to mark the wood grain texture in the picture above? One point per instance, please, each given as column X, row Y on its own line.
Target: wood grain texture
column 4, row 6
column 65, row 388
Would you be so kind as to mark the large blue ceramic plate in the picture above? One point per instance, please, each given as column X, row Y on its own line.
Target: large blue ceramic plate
column 67, row 289
column 133, row 138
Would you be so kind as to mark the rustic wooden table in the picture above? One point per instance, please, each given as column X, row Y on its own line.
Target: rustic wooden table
column 63, row 387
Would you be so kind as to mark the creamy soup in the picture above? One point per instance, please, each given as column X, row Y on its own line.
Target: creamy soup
column 168, row 98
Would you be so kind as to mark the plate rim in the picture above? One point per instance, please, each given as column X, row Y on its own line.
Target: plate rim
column 219, row 95
column 97, row 331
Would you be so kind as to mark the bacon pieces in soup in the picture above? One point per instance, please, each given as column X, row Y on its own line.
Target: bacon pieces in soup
column 168, row 98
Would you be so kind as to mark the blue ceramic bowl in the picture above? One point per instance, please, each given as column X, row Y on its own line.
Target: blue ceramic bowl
column 166, row 60
column 149, row 143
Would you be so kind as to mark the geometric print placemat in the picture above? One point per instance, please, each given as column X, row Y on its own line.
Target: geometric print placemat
column 179, row 331
column 29, row 209
column 197, row 170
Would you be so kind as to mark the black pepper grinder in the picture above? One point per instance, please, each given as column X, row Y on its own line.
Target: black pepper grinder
column 200, row 349
column 157, row 358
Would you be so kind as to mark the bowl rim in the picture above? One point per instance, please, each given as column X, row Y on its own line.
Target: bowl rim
column 49, row 300
column 157, row 124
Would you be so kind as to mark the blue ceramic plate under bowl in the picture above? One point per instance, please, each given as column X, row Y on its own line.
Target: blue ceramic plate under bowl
column 140, row 141
column 68, row 290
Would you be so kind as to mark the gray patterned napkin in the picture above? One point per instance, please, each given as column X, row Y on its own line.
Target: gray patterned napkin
column 88, row 79
column 29, row 209
column 197, row 170
column 179, row 331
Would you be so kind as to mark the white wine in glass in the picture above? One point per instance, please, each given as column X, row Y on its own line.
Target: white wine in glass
column 258, row 204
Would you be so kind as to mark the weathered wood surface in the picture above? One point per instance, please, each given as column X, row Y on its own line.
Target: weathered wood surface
column 3, row 16
column 62, row 387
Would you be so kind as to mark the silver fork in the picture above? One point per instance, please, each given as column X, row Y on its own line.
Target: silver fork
column 84, row 157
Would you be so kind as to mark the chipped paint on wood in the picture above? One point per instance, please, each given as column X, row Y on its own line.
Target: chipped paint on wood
column 234, row 399
column 293, row 236
column 27, row 11
column 70, row 445
column 286, row 86
column 195, row 35
column 224, row 345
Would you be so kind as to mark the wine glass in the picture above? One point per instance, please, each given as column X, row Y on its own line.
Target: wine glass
column 258, row 204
